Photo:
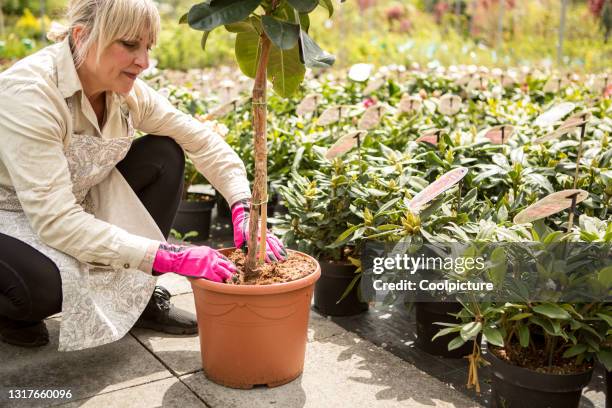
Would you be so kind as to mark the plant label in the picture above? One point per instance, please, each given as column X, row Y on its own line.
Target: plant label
column 371, row 117
column 345, row 143
column 551, row 204
column 429, row 193
column 430, row 136
column 464, row 80
column 333, row 114
column 373, row 86
column 308, row 104
column 554, row 85
column 226, row 108
column 477, row 83
column 554, row 114
column 410, row 103
column 360, row 72
column 499, row 134
column 449, row 104
column 568, row 126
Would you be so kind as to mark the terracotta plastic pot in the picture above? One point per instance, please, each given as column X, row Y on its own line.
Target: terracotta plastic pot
column 335, row 278
column 427, row 314
column 514, row 386
column 253, row 335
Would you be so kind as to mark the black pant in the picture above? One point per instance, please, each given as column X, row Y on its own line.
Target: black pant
column 30, row 283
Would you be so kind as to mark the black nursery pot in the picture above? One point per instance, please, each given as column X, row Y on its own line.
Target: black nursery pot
column 427, row 314
column 194, row 216
column 514, row 386
column 335, row 278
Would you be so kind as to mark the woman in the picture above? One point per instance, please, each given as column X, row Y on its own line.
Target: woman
column 85, row 208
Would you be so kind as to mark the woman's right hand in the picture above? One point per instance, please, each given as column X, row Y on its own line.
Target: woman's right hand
column 195, row 262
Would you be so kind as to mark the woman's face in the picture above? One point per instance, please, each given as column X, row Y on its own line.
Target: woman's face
column 119, row 65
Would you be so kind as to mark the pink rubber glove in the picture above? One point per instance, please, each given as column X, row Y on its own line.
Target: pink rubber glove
column 240, row 219
column 196, row 262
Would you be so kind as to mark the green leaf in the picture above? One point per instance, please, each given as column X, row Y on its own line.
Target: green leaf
column 494, row 336
column 314, row 56
column 455, row 343
column 349, row 288
column 304, row 22
column 285, row 70
column 203, row 40
column 206, row 17
column 605, row 276
column 328, row 5
column 470, row 330
column 575, row 350
column 446, row 331
column 247, row 50
column 606, row 318
column 523, row 332
column 303, row 6
column 284, row 35
column 552, row 311
column 521, row 316
column 605, row 357
column 240, row 26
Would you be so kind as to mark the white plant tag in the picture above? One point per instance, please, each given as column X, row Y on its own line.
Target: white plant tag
column 551, row 204
column 371, row 117
column 345, row 143
column 429, row 193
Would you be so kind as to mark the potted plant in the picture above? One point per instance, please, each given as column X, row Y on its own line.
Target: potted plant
column 264, row 325
column 320, row 208
column 543, row 350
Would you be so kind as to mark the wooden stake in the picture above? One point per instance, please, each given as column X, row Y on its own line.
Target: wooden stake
column 261, row 157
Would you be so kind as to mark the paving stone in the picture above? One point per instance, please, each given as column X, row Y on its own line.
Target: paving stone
column 167, row 393
column 124, row 363
column 340, row 371
column 320, row 327
column 176, row 284
column 180, row 353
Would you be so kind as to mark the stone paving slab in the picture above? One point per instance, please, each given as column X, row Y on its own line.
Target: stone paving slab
column 119, row 365
column 340, row 371
column 176, row 284
column 169, row 393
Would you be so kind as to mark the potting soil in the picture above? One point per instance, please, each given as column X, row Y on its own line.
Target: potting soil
column 293, row 268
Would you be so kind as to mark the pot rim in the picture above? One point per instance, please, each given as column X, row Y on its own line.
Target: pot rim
column 493, row 359
column 274, row 288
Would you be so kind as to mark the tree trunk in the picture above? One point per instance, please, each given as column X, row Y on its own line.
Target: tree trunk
column 260, row 185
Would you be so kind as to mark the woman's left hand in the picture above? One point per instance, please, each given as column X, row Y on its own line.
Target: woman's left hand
column 240, row 219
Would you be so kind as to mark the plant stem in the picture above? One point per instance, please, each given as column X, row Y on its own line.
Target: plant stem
column 259, row 199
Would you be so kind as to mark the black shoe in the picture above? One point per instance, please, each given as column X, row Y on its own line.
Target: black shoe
column 23, row 334
column 161, row 315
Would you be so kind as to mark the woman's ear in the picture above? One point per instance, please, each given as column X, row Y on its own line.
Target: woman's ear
column 77, row 35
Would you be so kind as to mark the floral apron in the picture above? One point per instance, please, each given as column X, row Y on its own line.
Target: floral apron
column 100, row 304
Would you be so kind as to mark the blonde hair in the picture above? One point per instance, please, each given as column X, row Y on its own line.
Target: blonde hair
column 105, row 21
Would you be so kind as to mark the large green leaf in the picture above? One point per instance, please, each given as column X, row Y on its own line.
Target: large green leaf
column 285, row 70
column 314, row 56
column 206, row 17
column 247, row 50
column 552, row 311
column 304, row 6
column 282, row 34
